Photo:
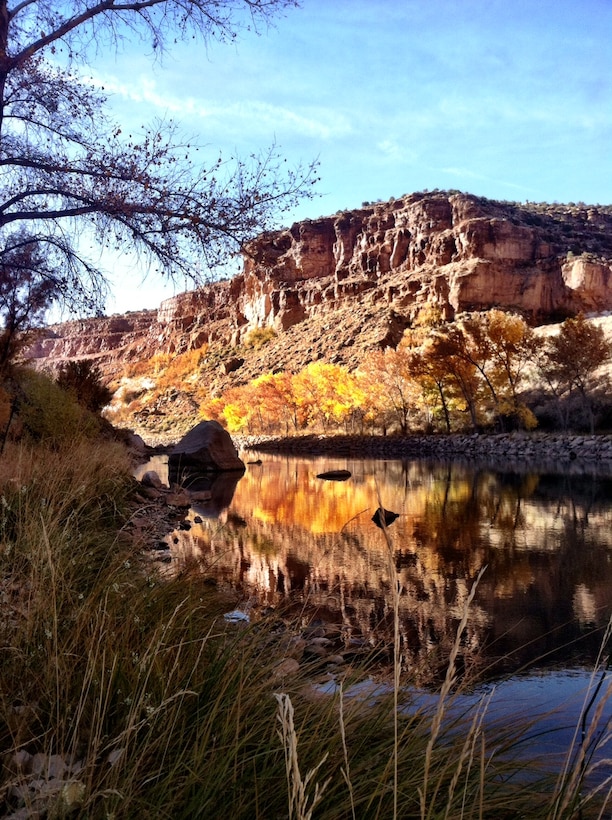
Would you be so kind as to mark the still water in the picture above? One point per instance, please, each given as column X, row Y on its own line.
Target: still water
column 533, row 647
column 281, row 535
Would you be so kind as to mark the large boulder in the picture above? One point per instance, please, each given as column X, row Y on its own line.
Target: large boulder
column 206, row 448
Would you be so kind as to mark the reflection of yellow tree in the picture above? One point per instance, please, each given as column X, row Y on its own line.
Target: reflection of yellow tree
column 350, row 571
column 468, row 521
column 289, row 534
column 308, row 502
column 452, row 518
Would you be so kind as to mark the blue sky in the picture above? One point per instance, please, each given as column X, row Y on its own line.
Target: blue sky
column 509, row 100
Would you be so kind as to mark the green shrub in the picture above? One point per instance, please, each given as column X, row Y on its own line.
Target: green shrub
column 259, row 336
column 51, row 414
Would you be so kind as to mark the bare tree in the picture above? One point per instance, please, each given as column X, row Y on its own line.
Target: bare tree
column 67, row 172
column 27, row 287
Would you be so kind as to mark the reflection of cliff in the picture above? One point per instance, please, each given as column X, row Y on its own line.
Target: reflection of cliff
column 289, row 535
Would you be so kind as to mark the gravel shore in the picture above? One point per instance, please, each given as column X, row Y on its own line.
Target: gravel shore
column 572, row 454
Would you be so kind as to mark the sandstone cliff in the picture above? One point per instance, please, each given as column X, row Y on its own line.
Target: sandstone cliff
column 340, row 284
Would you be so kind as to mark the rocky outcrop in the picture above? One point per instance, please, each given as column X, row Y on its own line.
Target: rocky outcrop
column 457, row 251
column 337, row 285
column 553, row 453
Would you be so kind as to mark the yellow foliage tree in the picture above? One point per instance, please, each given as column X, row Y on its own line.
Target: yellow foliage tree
column 393, row 393
column 571, row 359
column 327, row 393
column 239, row 410
column 500, row 345
column 278, row 407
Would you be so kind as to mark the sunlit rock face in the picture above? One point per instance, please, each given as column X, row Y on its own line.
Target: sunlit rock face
column 459, row 251
column 338, row 286
column 591, row 280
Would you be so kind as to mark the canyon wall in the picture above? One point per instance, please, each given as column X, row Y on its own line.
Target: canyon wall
column 361, row 276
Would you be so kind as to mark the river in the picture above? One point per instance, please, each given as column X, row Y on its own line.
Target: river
column 279, row 534
column 283, row 537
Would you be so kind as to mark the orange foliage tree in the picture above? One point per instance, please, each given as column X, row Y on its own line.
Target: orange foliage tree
column 570, row 361
column 393, row 393
column 277, row 408
column 431, row 373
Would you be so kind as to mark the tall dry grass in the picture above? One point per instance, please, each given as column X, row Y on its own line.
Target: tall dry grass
column 126, row 695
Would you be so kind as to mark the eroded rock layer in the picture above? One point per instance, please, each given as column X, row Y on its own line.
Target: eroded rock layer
column 336, row 285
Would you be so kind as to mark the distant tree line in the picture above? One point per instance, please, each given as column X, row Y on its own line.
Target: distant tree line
column 485, row 372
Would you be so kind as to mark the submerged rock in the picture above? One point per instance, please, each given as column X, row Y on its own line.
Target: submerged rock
column 382, row 518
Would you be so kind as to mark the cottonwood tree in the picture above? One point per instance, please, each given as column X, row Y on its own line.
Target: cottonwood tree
column 276, row 402
column 570, row 362
column 70, row 177
column 431, row 373
column 500, row 345
column 447, row 349
column 396, row 395
column 326, row 393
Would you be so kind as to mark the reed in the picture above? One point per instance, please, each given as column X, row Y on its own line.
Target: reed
column 301, row 802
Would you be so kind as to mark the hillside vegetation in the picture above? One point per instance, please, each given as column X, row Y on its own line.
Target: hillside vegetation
column 484, row 372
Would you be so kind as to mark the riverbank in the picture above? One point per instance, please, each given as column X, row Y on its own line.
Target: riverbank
column 571, row 454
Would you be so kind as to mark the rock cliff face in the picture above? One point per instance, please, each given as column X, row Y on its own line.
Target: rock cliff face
column 459, row 251
column 334, row 285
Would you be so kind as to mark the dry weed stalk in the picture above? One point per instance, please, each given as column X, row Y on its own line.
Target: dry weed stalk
column 468, row 753
column 587, row 737
column 346, row 774
column 447, row 686
column 397, row 656
column 301, row 803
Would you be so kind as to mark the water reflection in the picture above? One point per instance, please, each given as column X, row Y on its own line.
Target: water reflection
column 546, row 540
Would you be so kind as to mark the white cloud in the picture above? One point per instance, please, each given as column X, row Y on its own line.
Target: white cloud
column 466, row 173
column 246, row 115
column 395, row 151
